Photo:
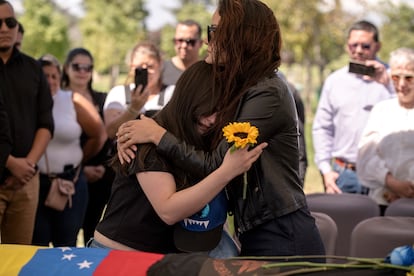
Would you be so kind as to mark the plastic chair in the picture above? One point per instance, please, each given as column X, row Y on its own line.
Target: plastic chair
column 403, row 207
column 328, row 230
column 377, row 237
column 347, row 210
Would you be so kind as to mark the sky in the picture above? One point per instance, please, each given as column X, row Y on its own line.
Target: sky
column 160, row 16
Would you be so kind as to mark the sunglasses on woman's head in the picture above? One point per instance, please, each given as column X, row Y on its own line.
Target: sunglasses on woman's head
column 210, row 30
column 10, row 22
column 82, row 67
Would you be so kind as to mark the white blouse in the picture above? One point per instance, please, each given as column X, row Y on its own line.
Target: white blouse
column 387, row 145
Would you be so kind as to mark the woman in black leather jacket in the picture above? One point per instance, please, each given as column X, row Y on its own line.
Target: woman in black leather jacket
column 244, row 48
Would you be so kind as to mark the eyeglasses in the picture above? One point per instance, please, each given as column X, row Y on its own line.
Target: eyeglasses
column 79, row 67
column 408, row 78
column 190, row 42
column 364, row 46
column 10, row 22
column 210, row 30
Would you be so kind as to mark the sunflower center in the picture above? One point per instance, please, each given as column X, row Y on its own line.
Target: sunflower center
column 242, row 135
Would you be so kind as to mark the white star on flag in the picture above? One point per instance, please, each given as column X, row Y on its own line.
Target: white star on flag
column 68, row 256
column 65, row 249
column 84, row 264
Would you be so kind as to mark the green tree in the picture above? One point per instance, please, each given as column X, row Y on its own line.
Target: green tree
column 46, row 29
column 398, row 28
column 110, row 29
column 313, row 36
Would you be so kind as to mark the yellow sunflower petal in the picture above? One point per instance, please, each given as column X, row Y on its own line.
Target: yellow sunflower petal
column 242, row 134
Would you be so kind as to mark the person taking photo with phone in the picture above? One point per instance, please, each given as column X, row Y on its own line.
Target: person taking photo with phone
column 346, row 101
column 126, row 102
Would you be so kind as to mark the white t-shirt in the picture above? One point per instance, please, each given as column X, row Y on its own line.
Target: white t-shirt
column 116, row 99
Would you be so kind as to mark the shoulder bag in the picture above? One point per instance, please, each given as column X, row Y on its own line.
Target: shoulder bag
column 61, row 190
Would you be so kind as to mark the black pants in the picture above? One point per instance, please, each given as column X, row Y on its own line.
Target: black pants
column 99, row 193
column 292, row 234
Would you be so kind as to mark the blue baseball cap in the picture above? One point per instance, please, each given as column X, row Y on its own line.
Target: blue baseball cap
column 202, row 231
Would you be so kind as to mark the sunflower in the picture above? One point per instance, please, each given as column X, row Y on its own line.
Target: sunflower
column 241, row 134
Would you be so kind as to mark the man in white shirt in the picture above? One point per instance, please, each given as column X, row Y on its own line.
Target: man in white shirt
column 344, row 106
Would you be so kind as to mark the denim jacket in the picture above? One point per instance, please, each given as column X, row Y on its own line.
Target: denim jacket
column 274, row 188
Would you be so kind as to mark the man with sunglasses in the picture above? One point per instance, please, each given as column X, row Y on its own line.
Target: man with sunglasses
column 346, row 101
column 28, row 105
column 187, row 43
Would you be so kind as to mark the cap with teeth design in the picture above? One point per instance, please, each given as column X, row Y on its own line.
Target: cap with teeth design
column 202, row 231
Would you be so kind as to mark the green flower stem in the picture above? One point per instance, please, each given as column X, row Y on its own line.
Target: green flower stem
column 303, row 270
column 375, row 263
column 323, row 265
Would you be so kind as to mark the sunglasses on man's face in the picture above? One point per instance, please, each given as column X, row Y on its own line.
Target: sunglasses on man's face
column 210, row 30
column 82, row 67
column 10, row 22
column 364, row 46
column 189, row 42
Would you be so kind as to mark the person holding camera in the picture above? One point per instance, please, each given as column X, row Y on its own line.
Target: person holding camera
column 347, row 98
column 143, row 92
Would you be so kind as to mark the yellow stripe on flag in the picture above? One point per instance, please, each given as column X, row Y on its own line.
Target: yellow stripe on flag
column 14, row 257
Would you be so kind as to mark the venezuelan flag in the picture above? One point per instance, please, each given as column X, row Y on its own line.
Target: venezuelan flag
column 23, row 260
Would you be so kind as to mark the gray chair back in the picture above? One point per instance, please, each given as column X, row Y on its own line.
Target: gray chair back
column 328, row 230
column 347, row 210
column 403, row 207
column 377, row 237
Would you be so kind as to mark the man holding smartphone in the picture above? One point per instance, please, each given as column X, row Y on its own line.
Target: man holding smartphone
column 347, row 97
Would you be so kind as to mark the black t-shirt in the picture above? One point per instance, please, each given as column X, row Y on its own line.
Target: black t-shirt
column 130, row 218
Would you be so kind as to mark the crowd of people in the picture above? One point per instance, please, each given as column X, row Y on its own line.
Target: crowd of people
column 151, row 167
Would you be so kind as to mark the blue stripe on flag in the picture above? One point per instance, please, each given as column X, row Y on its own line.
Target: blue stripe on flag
column 64, row 261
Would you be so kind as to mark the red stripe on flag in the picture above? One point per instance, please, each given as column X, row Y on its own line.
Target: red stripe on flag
column 120, row 262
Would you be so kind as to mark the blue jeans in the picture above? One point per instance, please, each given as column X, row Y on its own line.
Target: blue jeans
column 92, row 243
column 225, row 249
column 348, row 181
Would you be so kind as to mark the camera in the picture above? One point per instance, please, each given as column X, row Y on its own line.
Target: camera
column 361, row 69
column 141, row 77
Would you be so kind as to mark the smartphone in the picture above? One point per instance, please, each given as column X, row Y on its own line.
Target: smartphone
column 141, row 77
column 361, row 69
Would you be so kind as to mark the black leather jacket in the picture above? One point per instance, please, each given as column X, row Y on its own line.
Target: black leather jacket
column 274, row 186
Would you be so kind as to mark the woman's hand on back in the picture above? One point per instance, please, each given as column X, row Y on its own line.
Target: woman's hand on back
column 145, row 130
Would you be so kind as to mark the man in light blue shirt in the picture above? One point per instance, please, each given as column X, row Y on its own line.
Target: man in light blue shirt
column 343, row 109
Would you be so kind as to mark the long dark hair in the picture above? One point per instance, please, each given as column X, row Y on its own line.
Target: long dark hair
column 65, row 82
column 191, row 100
column 248, row 36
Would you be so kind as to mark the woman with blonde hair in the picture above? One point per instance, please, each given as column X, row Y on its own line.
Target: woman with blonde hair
column 126, row 102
